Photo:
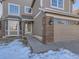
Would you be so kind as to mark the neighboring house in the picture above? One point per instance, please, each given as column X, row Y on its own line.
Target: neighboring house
column 54, row 20
column 76, row 11
column 16, row 19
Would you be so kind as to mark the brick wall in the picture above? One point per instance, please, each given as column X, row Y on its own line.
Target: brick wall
column 48, row 30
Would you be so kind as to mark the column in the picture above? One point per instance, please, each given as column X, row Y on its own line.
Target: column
column 48, row 30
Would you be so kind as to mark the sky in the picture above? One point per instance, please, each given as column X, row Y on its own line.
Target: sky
column 76, row 6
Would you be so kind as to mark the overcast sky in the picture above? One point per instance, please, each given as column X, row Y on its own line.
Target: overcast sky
column 76, row 6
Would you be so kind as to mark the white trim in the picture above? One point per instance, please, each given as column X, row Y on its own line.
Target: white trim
column 27, row 20
column 25, row 9
column 57, row 5
column 37, row 14
column 13, row 13
column 48, row 9
column 15, row 19
column 59, row 12
column 10, row 35
column 41, row 3
column 62, row 17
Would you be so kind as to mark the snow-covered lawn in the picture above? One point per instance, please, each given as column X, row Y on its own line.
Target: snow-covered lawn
column 16, row 50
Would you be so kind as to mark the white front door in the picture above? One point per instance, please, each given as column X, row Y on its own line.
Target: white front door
column 13, row 28
column 28, row 27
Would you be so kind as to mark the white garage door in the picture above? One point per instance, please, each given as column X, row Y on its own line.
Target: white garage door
column 66, row 30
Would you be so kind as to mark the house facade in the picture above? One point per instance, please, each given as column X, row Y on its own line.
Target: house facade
column 46, row 20
column 55, row 21
column 16, row 19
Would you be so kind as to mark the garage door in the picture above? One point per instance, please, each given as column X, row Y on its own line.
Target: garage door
column 66, row 30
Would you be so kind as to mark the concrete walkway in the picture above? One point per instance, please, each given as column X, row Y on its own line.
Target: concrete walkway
column 37, row 46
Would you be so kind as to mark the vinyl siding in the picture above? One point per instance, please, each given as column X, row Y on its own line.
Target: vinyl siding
column 22, row 3
column 37, row 25
column 36, row 7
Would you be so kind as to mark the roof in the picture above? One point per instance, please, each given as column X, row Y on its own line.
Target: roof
column 60, row 13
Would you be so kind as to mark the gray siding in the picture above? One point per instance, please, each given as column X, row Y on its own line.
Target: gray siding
column 36, row 7
column 37, row 26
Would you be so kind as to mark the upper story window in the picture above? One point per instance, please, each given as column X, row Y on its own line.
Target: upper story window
column 27, row 9
column 57, row 4
column 13, row 9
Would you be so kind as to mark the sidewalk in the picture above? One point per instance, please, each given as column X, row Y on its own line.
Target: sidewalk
column 37, row 46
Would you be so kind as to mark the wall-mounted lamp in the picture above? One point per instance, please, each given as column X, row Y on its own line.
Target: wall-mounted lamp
column 51, row 22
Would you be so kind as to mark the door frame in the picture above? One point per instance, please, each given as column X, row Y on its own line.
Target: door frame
column 27, row 28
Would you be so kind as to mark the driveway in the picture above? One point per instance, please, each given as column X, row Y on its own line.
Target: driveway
column 37, row 46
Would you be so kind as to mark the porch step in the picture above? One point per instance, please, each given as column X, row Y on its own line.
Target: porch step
column 38, row 37
column 11, row 37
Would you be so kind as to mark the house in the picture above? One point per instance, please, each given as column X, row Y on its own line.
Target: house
column 46, row 20
column 54, row 20
column 16, row 19
column 76, row 11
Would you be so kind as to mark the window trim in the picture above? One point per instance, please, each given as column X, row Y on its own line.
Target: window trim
column 57, row 5
column 9, row 13
column 25, row 9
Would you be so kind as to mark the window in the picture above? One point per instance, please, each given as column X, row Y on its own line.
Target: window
column 27, row 9
column 54, row 2
column 28, row 27
column 57, row 4
column 13, row 9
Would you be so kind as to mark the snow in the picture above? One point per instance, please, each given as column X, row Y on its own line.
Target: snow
column 16, row 50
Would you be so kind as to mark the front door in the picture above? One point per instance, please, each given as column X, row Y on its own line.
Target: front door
column 28, row 27
column 13, row 28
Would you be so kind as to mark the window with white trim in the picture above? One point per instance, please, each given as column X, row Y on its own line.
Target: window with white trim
column 13, row 9
column 27, row 9
column 57, row 4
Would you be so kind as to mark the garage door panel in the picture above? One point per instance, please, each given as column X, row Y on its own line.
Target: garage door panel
column 66, row 32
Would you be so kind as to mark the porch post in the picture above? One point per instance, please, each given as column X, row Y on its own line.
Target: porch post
column 3, row 28
column 23, row 28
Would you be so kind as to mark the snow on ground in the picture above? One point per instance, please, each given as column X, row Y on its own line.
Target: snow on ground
column 16, row 50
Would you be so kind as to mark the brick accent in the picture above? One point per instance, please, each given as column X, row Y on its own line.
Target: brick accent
column 3, row 27
column 48, row 30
